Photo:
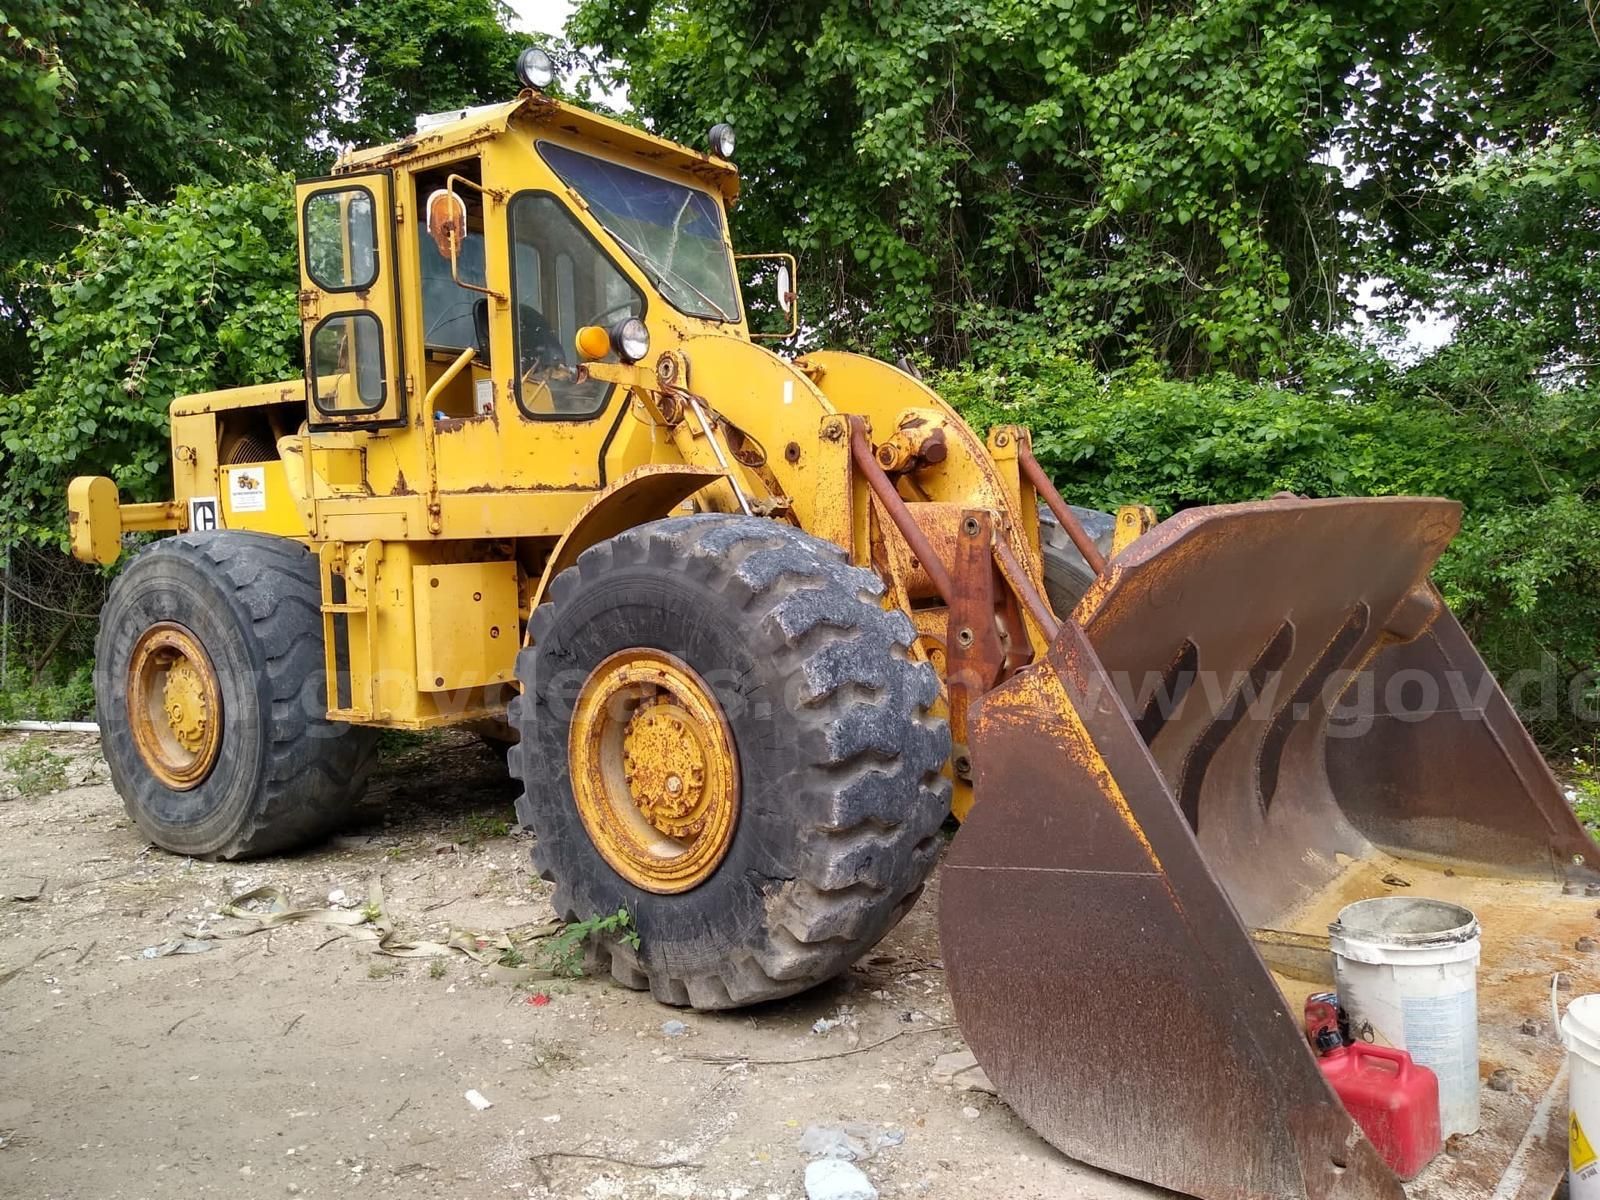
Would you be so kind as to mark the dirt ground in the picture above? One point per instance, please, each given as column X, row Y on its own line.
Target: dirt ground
column 297, row 1062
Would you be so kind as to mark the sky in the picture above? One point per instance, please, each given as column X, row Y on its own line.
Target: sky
column 541, row 16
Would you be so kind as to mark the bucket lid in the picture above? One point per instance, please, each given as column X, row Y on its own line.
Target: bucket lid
column 1406, row 921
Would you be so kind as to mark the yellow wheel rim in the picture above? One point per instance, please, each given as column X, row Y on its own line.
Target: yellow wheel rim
column 174, row 705
column 654, row 771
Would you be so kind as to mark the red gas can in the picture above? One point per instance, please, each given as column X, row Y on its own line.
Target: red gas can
column 1394, row 1100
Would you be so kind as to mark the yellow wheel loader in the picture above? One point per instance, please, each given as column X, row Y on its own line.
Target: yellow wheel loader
column 759, row 624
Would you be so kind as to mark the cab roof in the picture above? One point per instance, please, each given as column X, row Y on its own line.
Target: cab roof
column 534, row 110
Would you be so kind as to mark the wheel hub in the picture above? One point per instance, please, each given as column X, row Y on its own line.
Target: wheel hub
column 664, row 762
column 654, row 772
column 174, row 705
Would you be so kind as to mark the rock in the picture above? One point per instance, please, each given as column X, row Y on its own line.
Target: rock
column 835, row 1179
column 970, row 1113
column 850, row 1143
column 674, row 1028
column 960, row 1068
column 1503, row 1079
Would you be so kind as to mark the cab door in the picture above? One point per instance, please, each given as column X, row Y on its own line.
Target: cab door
column 349, row 296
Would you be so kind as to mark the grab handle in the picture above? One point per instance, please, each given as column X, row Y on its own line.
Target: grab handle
column 1398, row 1059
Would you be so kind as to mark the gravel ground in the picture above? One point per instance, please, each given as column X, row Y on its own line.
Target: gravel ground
column 301, row 1061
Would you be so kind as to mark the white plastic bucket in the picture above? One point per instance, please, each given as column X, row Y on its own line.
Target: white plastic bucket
column 1580, row 1034
column 1406, row 969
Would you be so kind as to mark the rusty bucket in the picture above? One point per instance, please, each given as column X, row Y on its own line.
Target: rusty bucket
column 1261, row 713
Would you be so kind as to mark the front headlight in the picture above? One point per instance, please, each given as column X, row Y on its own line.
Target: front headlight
column 631, row 339
column 535, row 69
column 720, row 139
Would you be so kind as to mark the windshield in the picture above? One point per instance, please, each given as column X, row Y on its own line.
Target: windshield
column 673, row 232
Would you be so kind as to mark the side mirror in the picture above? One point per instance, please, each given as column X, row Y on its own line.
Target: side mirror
column 447, row 222
column 780, row 322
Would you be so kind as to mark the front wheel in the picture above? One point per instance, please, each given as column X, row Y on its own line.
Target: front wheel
column 723, row 732
column 208, row 683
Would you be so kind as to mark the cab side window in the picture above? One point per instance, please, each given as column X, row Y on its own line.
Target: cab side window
column 561, row 281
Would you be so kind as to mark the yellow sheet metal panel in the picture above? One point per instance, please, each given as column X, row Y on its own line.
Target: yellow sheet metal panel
column 93, row 520
column 257, row 496
column 354, row 523
column 466, row 624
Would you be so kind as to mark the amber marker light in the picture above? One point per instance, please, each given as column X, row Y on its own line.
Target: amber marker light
column 593, row 341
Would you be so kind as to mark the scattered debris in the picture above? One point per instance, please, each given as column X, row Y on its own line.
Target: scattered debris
column 177, row 946
column 24, row 889
column 971, row 1113
column 476, row 1098
column 673, row 1029
column 835, row 1179
column 960, row 1068
column 854, row 1141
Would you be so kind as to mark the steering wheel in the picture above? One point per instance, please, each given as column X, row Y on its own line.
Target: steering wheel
column 606, row 318
column 538, row 347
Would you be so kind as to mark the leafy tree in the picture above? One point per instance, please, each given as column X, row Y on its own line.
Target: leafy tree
column 157, row 301
column 1129, row 179
column 104, row 101
column 397, row 58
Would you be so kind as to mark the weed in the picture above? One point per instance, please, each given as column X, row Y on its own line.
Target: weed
column 34, row 768
column 394, row 742
column 371, row 913
column 564, row 950
column 1585, row 779
column 512, row 958
column 436, row 969
column 481, row 827
column 382, row 970
column 550, row 1056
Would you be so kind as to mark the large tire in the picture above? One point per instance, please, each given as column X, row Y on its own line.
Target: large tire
column 839, row 759
column 283, row 774
column 1066, row 575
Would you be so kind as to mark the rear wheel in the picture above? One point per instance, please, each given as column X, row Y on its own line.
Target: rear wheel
column 210, row 697
column 722, row 732
column 1066, row 575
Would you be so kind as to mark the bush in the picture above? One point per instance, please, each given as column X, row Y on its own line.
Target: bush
column 1524, row 574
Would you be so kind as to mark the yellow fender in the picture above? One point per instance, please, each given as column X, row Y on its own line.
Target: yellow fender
column 644, row 494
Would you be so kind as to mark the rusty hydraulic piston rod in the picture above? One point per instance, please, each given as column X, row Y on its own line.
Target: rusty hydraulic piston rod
column 883, row 488
column 1052, row 498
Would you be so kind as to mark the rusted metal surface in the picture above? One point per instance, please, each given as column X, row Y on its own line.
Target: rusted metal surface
column 1447, row 770
column 977, row 656
column 883, row 489
column 1034, row 474
column 1176, row 774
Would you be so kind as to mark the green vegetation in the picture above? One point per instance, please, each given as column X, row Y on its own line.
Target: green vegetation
column 563, row 951
column 482, row 827
column 1179, row 240
column 32, row 769
column 69, row 700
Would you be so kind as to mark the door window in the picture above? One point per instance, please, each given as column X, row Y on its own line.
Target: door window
column 347, row 364
column 342, row 240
